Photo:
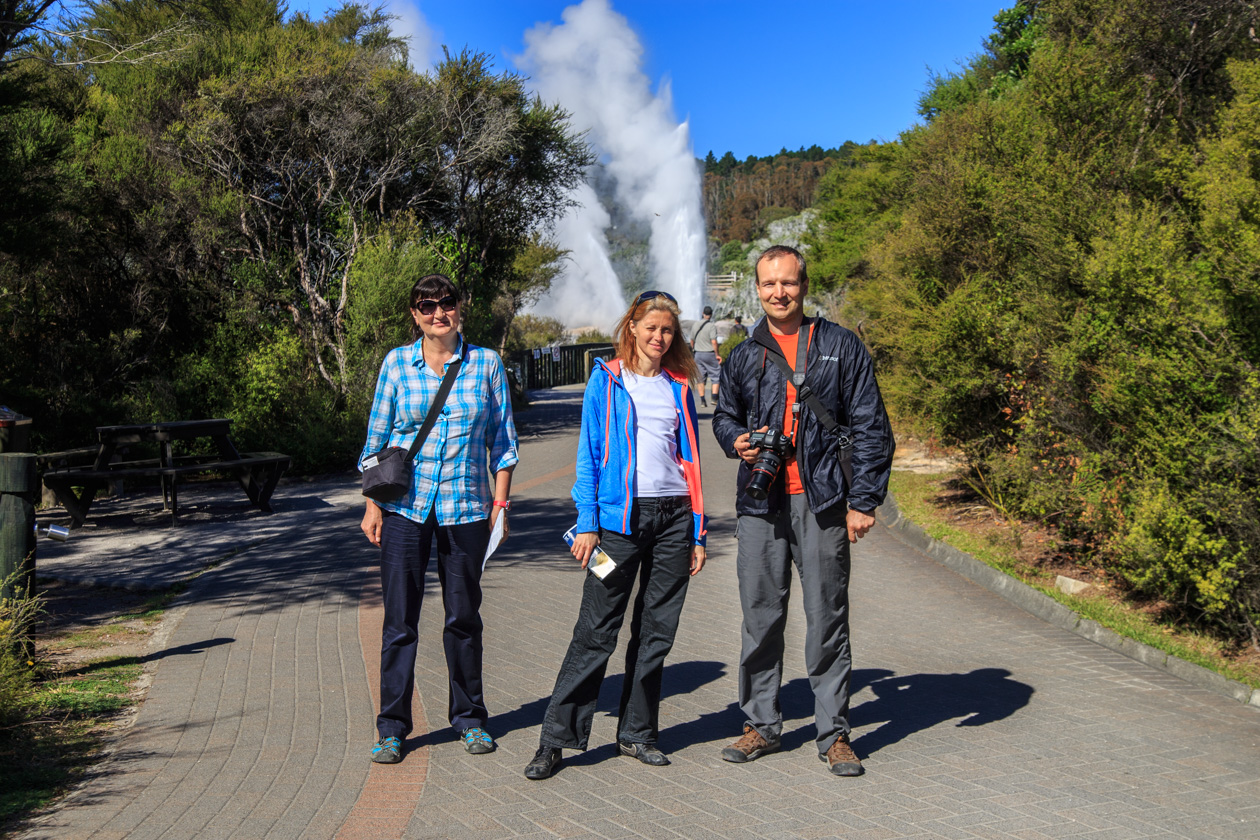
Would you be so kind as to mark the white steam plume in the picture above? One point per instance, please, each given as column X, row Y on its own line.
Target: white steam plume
column 587, row 292
column 591, row 65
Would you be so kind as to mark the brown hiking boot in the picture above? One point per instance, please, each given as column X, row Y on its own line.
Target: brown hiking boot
column 841, row 758
column 749, row 746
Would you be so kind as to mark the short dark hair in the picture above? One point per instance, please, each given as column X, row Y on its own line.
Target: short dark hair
column 738, row 320
column 775, row 252
column 433, row 287
column 708, row 310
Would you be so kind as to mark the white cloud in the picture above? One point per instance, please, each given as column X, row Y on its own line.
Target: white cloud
column 423, row 42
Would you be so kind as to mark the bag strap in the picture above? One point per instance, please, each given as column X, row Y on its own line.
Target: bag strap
column 696, row 334
column 806, row 395
column 435, row 408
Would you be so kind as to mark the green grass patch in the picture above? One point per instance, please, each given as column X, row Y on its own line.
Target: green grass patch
column 914, row 494
column 60, row 731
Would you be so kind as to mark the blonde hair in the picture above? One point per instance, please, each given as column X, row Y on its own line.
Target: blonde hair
column 677, row 358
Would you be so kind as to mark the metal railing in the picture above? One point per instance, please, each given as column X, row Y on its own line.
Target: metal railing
column 550, row 367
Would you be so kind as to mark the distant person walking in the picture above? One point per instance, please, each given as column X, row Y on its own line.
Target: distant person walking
column 704, row 344
column 639, row 501
column 738, row 328
column 453, row 496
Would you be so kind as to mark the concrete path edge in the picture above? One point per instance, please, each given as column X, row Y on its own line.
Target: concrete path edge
column 1047, row 609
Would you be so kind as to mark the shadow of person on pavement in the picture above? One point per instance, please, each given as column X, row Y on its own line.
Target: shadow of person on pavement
column 679, row 678
column 915, row 702
column 179, row 650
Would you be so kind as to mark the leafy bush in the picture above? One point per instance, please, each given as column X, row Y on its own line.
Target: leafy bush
column 1061, row 275
column 17, row 621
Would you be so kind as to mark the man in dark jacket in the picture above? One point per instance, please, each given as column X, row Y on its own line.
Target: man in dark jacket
column 806, row 511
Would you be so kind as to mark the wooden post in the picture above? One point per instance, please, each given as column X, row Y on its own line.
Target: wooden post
column 19, row 488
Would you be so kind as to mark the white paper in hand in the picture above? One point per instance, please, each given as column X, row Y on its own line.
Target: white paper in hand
column 496, row 537
column 600, row 563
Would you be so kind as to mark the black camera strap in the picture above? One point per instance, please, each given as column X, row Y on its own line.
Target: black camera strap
column 452, row 370
column 806, row 395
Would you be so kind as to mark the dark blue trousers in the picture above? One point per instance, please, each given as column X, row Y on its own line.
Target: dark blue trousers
column 405, row 548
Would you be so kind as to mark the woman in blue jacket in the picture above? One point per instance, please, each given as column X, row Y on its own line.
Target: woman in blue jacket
column 639, row 501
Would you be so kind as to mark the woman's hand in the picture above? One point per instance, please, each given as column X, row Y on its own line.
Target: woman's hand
column 697, row 559
column 372, row 523
column 584, row 546
column 495, row 513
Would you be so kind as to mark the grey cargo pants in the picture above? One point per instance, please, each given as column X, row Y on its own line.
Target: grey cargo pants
column 818, row 545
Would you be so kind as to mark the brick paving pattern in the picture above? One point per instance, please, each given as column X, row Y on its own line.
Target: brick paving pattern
column 974, row 719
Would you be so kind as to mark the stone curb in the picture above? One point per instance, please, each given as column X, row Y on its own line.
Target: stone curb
column 1047, row 609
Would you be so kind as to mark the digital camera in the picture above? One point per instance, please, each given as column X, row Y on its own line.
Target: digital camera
column 776, row 448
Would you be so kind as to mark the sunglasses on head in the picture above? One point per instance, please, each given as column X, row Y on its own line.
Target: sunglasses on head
column 428, row 307
column 652, row 294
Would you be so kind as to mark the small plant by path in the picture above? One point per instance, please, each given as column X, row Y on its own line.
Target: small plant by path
column 61, row 707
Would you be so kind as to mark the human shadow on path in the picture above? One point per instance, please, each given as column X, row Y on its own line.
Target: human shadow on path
column 915, row 702
column 678, row 678
column 796, row 701
column 178, row 650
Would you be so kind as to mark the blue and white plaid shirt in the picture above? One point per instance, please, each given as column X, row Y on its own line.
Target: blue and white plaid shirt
column 452, row 470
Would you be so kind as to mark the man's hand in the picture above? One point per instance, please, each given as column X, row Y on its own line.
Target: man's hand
column 697, row 559
column 859, row 523
column 746, row 452
column 371, row 524
column 584, row 546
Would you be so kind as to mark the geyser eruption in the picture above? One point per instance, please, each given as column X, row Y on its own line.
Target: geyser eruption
column 591, row 65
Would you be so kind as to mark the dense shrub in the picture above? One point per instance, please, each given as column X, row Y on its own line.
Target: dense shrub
column 1060, row 273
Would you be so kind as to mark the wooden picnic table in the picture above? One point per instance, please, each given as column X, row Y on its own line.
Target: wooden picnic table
column 257, row 472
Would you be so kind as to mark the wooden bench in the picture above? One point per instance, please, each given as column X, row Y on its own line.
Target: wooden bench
column 92, row 468
column 257, row 472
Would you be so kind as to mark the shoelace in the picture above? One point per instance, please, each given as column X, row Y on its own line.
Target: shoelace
column 750, row 740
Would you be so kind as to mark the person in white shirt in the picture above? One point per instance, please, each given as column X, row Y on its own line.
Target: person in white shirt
column 639, row 501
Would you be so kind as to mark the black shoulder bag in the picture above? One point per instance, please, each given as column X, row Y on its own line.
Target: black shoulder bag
column 387, row 475
column 804, row 394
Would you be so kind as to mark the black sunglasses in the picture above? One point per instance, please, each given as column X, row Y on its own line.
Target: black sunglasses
column 428, row 307
column 652, row 294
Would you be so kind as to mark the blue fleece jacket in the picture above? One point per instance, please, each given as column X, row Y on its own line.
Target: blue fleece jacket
column 604, row 490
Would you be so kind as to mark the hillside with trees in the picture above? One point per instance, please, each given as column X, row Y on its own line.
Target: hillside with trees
column 1059, row 272
column 208, row 208
column 741, row 198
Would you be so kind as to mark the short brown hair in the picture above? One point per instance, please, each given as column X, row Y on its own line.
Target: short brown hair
column 775, row 252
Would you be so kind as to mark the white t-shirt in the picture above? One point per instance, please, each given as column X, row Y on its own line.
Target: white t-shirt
column 657, row 471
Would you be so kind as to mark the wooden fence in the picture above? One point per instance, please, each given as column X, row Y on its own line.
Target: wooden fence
column 550, row 367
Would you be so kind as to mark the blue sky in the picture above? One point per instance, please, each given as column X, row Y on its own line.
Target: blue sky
column 752, row 77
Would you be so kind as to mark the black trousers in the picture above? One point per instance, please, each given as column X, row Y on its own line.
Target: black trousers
column 405, row 547
column 657, row 552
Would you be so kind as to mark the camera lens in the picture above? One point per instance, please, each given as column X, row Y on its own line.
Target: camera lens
column 763, row 473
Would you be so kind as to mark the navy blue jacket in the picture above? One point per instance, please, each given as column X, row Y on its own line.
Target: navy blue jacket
column 840, row 372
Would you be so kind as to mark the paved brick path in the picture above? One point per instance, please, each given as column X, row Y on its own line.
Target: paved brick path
column 974, row 718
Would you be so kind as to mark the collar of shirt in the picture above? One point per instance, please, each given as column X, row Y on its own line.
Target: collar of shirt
column 417, row 353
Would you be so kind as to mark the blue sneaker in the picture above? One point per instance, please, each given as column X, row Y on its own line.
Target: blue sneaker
column 477, row 741
column 387, row 751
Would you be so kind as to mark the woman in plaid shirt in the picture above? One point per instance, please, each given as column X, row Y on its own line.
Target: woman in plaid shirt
column 462, row 476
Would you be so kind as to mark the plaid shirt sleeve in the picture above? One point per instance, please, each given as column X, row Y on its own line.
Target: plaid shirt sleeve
column 381, row 417
column 501, row 430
